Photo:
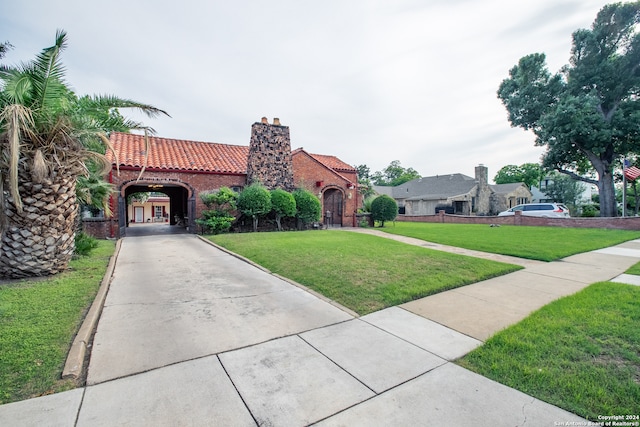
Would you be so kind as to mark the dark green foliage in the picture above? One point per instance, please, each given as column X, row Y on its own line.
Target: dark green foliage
column 529, row 173
column 308, row 206
column 4, row 47
column 219, row 215
column 587, row 114
column 85, row 244
column 283, row 204
column 394, row 174
column 384, row 208
column 365, row 186
column 255, row 201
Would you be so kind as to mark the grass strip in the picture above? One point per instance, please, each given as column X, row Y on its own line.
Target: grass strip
column 362, row 272
column 38, row 320
column 634, row 269
column 538, row 243
column 581, row 352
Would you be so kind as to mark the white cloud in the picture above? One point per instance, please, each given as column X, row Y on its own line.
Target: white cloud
column 368, row 81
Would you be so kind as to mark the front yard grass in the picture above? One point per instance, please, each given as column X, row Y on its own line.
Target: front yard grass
column 362, row 272
column 539, row 243
column 38, row 320
column 581, row 352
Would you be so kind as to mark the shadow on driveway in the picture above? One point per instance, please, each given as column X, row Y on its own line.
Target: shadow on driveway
column 138, row 230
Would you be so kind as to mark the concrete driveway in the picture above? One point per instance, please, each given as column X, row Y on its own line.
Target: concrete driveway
column 175, row 298
column 193, row 336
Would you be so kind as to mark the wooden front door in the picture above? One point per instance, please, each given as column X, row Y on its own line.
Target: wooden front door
column 332, row 214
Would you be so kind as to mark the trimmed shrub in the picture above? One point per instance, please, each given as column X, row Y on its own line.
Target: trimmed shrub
column 308, row 206
column 218, row 218
column 283, row 204
column 255, row 201
column 384, row 208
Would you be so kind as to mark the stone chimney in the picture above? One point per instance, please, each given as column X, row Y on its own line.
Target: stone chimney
column 483, row 194
column 482, row 175
column 269, row 160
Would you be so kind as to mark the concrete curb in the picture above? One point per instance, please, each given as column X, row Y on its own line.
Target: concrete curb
column 292, row 282
column 75, row 359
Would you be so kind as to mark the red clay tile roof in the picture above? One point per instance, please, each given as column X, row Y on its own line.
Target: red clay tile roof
column 176, row 154
column 333, row 162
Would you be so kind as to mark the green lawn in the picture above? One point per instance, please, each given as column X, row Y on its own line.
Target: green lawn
column 362, row 272
column 581, row 352
column 38, row 320
column 539, row 243
column 634, row 269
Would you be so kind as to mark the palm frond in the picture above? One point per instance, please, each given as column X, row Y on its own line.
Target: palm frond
column 102, row 102
column 48, row 75
column 17, row 121
column 93, row 191
column 16, row 86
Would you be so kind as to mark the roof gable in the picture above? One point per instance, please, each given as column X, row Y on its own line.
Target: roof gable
column 332, row 163
column 439, row 186
column 506, row 188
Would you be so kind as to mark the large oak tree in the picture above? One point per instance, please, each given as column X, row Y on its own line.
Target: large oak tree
column 588, row 114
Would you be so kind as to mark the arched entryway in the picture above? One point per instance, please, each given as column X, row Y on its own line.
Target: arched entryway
column 333, row 206
column 181, row 210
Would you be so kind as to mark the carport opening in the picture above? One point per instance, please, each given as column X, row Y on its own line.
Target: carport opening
column 159, row 204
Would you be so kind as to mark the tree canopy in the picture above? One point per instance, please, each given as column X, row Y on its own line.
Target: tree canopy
column 587, row 114
column 529, row 173
column 393, row 175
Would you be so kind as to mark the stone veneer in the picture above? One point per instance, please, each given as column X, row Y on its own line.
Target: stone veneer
column 269, row 160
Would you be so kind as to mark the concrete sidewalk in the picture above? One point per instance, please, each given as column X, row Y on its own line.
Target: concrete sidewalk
column 191, row 335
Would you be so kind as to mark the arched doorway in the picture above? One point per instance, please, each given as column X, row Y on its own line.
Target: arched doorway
column 333, row 205
column 180, row 212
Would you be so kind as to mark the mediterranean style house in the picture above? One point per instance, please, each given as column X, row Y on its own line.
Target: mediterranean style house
column 456, row 193
column 181, row 170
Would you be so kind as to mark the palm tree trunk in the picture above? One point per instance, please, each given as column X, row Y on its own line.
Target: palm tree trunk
column 40, row 240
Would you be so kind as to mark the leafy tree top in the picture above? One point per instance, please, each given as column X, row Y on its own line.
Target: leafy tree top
column 587, row 114
column 394, row 175
column 529, row 173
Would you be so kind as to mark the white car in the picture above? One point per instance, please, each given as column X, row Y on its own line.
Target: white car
column 545, row 210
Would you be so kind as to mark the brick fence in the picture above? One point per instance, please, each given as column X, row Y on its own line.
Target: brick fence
column 628, row 223
column 100, row 228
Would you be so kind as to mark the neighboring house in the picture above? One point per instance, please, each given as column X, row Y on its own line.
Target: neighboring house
column 183, row 169
column 155, row 209
column 456, row 193
column 539, row 195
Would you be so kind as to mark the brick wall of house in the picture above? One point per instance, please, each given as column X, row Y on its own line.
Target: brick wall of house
column 316, row 178
column 199, row 182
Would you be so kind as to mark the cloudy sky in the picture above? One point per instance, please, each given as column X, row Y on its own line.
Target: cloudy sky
column 369, row 81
